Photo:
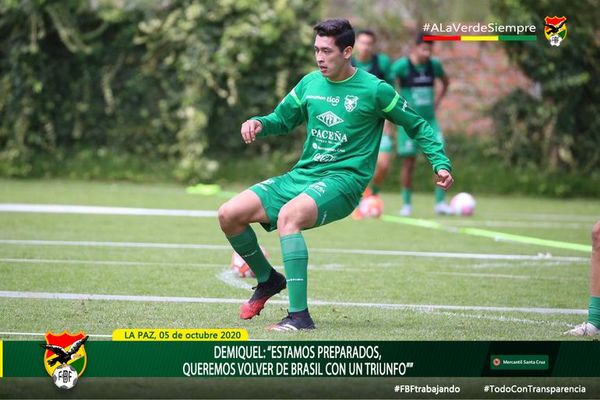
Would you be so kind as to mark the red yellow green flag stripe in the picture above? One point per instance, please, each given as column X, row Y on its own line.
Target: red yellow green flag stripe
column 486, row 38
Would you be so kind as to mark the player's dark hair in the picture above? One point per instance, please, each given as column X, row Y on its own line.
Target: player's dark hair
column 420, row 38
column 367, row 32
column 340, row 29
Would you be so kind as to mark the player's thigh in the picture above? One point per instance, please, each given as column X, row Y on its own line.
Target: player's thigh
column 335, row 199
column 299, row 213
column 274, row 193
column 384, row 160
column 243, row 208
column 386, row 145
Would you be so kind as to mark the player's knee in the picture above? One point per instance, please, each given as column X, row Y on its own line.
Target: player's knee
column 596, row 236
column 226, row 216
column 384, row 167
column 287, row 221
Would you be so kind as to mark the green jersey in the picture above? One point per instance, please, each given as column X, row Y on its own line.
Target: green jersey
column 417, row 83
column 344, row 121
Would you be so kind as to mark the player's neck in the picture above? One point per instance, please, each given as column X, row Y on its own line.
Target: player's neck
column 344, row 74
column 415, row 60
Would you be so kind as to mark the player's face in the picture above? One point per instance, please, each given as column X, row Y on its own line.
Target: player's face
column 330, row 60
column 365, row 46
column 424, row 51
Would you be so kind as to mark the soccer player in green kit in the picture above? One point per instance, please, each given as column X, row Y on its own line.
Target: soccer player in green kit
column 416, row 75
column 592, row 326
column 344, row 109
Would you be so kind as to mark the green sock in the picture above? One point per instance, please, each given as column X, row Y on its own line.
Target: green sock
column 406, row 195
column 295, row 261
column 439, row 194
column 594, row 311
column 246, row 245
column 375, row 189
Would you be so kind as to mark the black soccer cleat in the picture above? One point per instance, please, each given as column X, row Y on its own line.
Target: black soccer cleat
column 295, row 321
column 262, row 292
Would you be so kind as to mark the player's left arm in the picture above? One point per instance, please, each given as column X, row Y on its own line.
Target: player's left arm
column 443, row 77
column 396, row 109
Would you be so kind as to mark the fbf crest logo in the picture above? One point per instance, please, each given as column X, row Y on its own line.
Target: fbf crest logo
column 350, row 102
column 65, row 358
column 555, row 29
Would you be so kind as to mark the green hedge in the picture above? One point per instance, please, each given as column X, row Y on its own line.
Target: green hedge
column 170, row 81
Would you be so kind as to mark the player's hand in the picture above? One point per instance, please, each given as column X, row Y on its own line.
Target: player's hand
column 444, row 179
column 250, row 129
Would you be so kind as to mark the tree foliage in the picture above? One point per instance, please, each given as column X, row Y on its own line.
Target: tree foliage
column 170, row 81
column 557, row 127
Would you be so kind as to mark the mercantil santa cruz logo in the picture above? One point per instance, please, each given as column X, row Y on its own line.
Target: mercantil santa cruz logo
column 329, row 118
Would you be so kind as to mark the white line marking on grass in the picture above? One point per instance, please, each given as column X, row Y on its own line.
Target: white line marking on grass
column 208, row 300
column 476, row 256
column 529, row 264
column 547, row 217
column 118, row 244
column 507, row 276
column 104, row 262
column 499, row 318
column 517, row 224
column 96, row 210
column 43, row 334
column 229, row 278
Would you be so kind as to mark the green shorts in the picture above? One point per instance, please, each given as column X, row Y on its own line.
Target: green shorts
column 386, row 145
column 336, row 196
column 408, row 147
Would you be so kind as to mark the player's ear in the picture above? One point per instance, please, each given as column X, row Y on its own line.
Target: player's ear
column 347, row 53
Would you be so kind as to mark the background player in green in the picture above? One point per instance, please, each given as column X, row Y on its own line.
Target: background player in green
column 592, row 326
column 344, row 109
column 416, row 75
column 377, row 63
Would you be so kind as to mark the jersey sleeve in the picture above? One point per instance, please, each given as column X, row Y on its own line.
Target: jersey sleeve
column 395, row 108
column 287, row 115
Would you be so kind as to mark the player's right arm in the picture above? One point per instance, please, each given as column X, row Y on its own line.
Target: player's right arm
column 287, row 115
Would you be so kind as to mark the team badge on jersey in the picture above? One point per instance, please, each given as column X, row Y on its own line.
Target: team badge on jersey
column 350, row 102
column 65, row 358
column 555, row 29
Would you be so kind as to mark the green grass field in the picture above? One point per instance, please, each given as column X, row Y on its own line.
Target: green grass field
column 173, row 271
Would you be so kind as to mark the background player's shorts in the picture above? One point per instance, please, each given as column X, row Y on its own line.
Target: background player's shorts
column 336, row 197
column 408, row 147
column 386, row 145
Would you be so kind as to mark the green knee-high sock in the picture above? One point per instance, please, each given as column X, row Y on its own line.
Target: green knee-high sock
column 439, row 195
column 406, row 195
column 246, row 245
column 295, row 261
column 594, row 311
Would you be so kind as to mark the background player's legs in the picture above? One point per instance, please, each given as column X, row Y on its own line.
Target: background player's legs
column 408, row 169
column 235, row 217
column 594, row 304
column 440, row 206
column 384, row 160
column 592, row 326
column 301, row 212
